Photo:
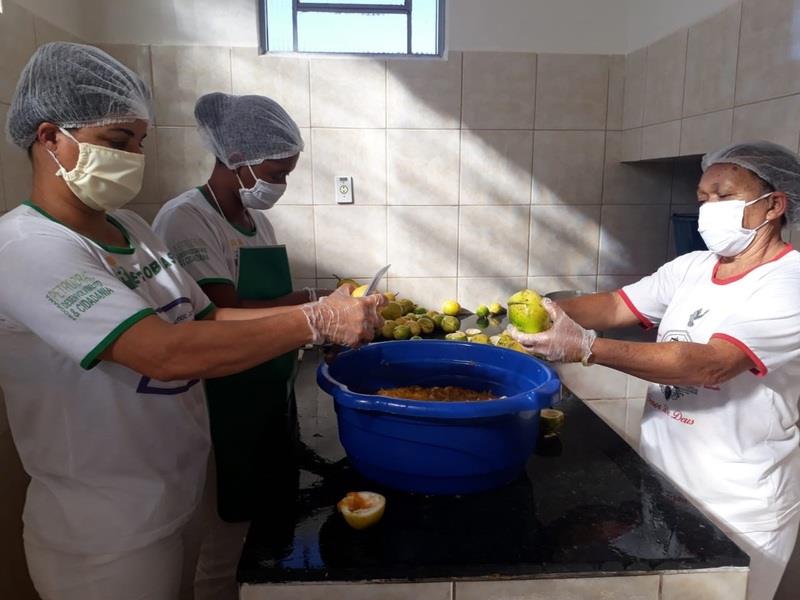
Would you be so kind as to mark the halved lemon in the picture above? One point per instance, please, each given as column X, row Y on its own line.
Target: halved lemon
column 362, row 509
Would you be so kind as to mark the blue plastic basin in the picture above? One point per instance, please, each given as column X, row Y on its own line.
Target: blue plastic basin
column 438, row 447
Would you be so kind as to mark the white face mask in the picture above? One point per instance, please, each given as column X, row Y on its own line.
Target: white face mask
column 263, row 195
column 103, row 178
column 720, row 226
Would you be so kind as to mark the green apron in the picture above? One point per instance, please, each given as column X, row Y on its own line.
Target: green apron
column 253, row 414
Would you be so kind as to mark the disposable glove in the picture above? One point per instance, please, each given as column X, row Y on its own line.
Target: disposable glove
column 565, row 341
column 343, row 320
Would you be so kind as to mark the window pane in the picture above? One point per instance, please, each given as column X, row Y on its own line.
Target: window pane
column 280, row 36
column 352, row 32
column 425, row 27
column 376, row 2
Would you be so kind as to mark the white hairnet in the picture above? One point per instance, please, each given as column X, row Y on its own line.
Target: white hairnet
column 72, row 85
column 246, row 130
column 778, row 166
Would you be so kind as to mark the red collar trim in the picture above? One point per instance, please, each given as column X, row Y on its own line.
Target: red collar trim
column 720, row 281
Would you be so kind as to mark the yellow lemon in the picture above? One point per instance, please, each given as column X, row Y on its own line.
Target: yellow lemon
column 362, row 509
column 451, row 308
column 360, row 291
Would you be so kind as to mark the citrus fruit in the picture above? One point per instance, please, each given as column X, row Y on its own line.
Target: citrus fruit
column 471, row 332
column 551, row 421
column 414, row 328
column 481, row 338
column 390, row 296
column 426, row 324
column 496, row 308
column 416, row 337
column 437, row 320
column 393, row 310
column 450, row 324
column 408, row 305
column 401, row 332
column 482, row 311
column 362, row 509
column 345, row 281
column 420, row 311
column 360, row 291
column 387, row 330
column 451, row 308
column 456, row 336
column 526, row 313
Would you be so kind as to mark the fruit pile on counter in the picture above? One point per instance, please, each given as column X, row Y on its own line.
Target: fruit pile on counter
column 407, row 320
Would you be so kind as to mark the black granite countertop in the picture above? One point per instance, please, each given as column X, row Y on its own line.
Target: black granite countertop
column 586, row 505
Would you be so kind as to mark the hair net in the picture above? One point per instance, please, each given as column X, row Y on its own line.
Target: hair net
column 73, row 85
column 246, row 130
column 775, row 164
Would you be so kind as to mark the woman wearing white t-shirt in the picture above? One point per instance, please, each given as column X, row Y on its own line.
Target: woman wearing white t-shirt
column 721, row 418
column 256, row 145
column 103, row 338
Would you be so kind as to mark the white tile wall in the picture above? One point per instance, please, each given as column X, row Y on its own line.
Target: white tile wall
column 351, row 240
column 181, row 74
column 496, row 167
column 705, row 586
column 568, row 167
column 711, row 63
column 706, row 132
column 633, row 97
column 493, row 241
column 564, row 240
column 662, row 140
column 389, row 591
column 285, row 80
column 294, row 226
column 360, row 153
column 17, row 43
column 423, row 241
column 616, row 92
column 498, row 90
column 773, row 120
column 423, row 94
column 473, row 291
column 423, row 166
column 623, row 248
column 572, row 91
column 348, row 93
column 630, row 588
column 643, row 183
column 768, row 65
column 16, row 169
column 666, row 66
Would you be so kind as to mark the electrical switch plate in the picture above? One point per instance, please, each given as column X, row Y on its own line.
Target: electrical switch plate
column 344, row 189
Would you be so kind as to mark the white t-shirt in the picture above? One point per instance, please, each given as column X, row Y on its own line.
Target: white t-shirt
column 203, row 241
column 734, row 448
column 117, row 460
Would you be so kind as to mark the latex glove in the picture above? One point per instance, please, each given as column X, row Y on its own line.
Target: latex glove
column 343, row 320
column 565, row 341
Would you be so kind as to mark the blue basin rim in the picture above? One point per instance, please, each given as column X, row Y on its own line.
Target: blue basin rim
column 532, row 400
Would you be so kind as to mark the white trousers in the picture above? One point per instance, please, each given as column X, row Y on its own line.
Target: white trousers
column 769, row 552
column 197, row 562
column 149, row 573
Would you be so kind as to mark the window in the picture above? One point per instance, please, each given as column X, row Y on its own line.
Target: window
column 384, row 27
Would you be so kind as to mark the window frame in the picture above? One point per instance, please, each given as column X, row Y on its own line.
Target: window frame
column 344, row 7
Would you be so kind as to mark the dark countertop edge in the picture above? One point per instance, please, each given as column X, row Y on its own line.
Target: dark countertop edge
column 342, row 578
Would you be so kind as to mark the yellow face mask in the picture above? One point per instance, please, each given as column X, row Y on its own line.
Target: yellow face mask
column 104, row 178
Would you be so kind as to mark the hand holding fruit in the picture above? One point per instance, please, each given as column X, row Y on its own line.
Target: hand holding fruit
column 564, row 341
column 341, row 319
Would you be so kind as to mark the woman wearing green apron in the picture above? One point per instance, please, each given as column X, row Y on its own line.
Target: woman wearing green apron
column 220, row 234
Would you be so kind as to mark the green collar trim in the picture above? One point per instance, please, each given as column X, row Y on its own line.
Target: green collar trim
column 128, row 249
column 210, row 200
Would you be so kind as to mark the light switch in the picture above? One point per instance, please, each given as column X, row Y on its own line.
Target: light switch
column 344, row 189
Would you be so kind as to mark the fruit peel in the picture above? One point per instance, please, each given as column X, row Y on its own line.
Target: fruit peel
column 362, row 509
column 526, row 313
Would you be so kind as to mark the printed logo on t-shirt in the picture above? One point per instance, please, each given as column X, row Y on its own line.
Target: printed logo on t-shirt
column 133, row 279
column 191, row 251
column 696, row 316
column 77, row 294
